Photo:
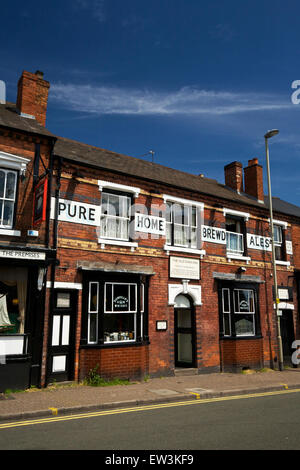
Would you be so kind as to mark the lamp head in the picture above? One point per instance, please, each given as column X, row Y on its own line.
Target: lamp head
column 271, row 133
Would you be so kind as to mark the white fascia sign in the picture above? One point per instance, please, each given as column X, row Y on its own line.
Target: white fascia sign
column 213, row 234
column 149, row 224
column 76, row 212
column 258, row 242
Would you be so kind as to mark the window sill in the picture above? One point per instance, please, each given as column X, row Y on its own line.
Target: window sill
column 236, row 256
column 9, row 232
column 282, row 263
column 104, row 241
column 115, row 344
column 168, row 248
column 236, row 338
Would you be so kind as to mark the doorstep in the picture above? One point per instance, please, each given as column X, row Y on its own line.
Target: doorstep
column 183, row 371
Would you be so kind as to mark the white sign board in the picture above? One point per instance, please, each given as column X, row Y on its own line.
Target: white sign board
column 258, row 242
column 289, row 247
column 150, row 224
column 283, row 294
column 213, row 234
column 16, row 254
column 184, row 268
column 76, row 212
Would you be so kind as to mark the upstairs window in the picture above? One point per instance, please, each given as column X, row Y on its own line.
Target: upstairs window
column 182, row 225
column 115, row 216
column 278, row 243
column 235, row 235
column 8, row 190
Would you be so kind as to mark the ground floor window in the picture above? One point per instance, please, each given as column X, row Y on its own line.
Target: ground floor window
column 13, row 297
column 239, row 314
column 115, row 310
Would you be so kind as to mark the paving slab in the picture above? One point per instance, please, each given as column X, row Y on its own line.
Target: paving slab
column 75, row 397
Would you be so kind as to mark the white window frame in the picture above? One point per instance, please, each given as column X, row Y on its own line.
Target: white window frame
column 118, row 188
column 235, row 255
column 187, row 203
column 121, row 218
column 93, row 312
column 4, row 199
column 9, row 161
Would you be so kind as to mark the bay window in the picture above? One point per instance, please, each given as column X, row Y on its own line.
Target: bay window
column 238, row 311
column 115, row 311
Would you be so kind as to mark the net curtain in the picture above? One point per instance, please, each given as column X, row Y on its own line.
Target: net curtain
column 18, row 277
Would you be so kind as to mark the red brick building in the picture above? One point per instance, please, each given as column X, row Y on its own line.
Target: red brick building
column 111, row 261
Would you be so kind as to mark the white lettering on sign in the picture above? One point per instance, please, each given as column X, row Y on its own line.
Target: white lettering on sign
column 213, row 234
column 33, row 255
column 150, row 224
column 76, row 212
column 257, row 242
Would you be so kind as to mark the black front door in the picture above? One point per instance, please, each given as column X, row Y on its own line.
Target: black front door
column 184, row 337
column 61, row 348
column 287, row 335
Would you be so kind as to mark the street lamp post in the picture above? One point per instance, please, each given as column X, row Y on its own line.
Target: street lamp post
column 268, row 135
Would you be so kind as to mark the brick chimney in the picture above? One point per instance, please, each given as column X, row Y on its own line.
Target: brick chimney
column 253, row 174
column 33, row 96
column 234, row 176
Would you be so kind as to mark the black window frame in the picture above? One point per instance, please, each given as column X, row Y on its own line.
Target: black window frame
column 141, row 333
column 233, row 286
column 279, row 247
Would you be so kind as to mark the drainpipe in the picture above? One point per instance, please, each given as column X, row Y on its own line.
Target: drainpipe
column 56, row 263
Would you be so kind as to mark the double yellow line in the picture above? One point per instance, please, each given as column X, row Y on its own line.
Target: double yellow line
column 197, row 401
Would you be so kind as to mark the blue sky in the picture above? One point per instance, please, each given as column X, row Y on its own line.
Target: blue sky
column 198, row 82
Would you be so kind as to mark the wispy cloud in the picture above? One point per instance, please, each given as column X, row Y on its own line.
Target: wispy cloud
column 223, row 32
column 187, row 100
column 96, row 7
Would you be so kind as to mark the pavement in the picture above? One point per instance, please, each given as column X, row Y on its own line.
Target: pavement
column 70, row 398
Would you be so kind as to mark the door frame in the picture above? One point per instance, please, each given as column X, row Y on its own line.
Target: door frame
column 287, row 317
column 60, row 350
column 192, row 331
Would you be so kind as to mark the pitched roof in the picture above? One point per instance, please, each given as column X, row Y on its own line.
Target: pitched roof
column 10, row 118
column 284, row 207
column 131, row 166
